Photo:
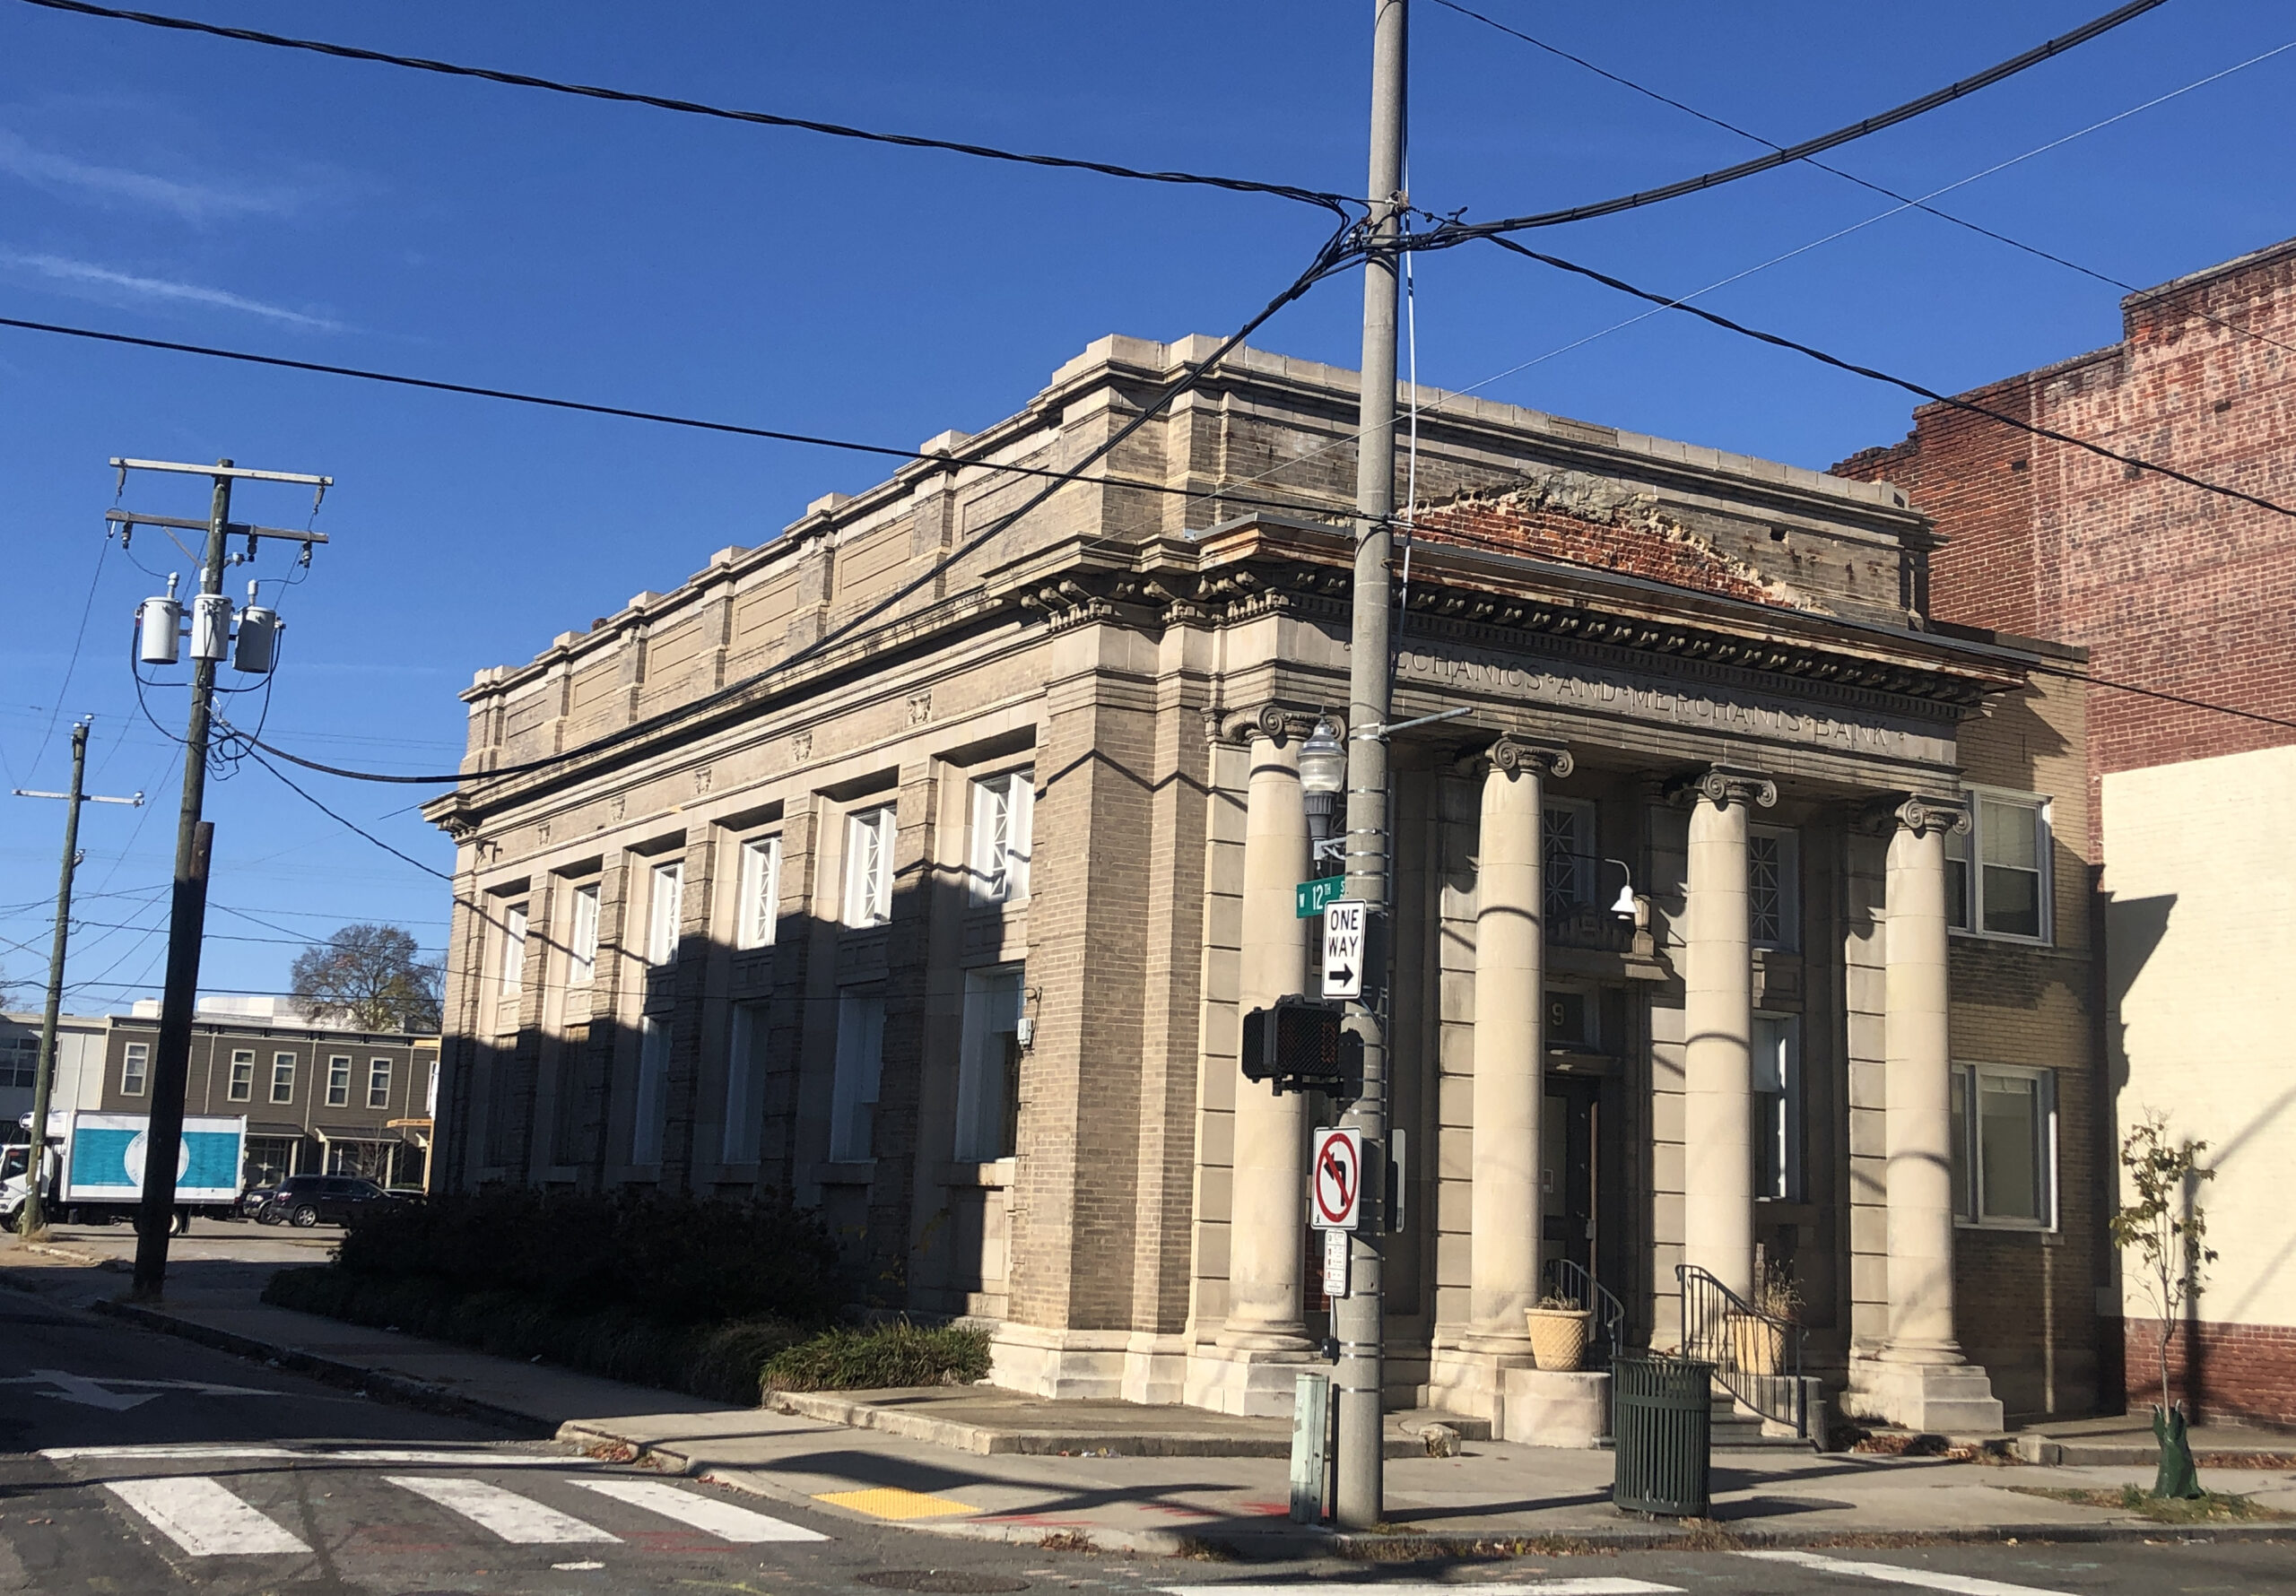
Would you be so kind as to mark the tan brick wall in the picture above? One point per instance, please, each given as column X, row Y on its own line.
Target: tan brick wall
column 2035, row 1006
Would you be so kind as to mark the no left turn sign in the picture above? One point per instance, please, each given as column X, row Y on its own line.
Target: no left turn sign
column 1336, row 1180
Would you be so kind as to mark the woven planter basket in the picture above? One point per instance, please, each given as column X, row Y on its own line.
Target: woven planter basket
column 1559, row 1337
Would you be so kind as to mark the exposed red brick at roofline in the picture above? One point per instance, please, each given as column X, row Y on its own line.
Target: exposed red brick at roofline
column 1645, row 546
column 2168, row 588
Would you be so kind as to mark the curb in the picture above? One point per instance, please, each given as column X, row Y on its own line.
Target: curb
column 1288, row 1543
column 995, row 1440
column 50, row 1250
column 406, row 1392
column 1292, row 1542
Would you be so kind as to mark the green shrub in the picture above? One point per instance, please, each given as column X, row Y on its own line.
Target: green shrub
column 724, row 1362
column 899, row 1353
column 679, row 1259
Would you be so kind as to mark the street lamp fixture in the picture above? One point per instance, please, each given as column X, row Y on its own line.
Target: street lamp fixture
column 1323, row 762
column 1323, row 776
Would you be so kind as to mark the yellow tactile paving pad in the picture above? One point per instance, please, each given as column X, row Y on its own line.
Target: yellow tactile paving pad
column 887, row 1502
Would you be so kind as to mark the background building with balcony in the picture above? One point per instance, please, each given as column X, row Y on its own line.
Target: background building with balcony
column 318, row 1099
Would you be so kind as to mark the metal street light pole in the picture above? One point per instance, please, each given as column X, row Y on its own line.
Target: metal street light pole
column 1358, row 1319
column 34, row 1218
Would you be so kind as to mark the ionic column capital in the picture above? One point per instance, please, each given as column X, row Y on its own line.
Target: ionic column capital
column 1722, row 785
column 1511, row 756
column 1277, row 722
column 1925, row 814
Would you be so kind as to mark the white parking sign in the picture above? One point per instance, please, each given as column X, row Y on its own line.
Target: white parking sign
column 1343, row 948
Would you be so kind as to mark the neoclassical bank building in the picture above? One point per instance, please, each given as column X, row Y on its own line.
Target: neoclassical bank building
column 925, row 871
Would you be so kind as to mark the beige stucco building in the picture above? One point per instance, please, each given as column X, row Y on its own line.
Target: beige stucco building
column 2202, row 937
column 930, row 883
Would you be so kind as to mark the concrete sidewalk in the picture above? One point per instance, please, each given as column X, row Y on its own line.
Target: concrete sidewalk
column 1492, row 1495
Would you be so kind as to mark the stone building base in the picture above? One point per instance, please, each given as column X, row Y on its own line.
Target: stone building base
column 1546, row 1407
column 1948, row 1399
column 1084, row 1364
column 1473, row 1384
column 1247, row 1382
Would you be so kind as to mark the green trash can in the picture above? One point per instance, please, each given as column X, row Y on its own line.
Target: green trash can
column 1663, row 1435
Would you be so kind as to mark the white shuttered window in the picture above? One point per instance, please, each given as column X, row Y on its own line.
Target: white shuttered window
column 662, row 913
column 869, row 867
column 758, row 903
column 582, row 937
column 1002, row 816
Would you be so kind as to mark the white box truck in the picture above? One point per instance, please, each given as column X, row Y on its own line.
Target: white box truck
column 95, row 1167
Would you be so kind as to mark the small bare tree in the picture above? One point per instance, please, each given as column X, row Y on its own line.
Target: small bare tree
column 2164, row 1228
column 370, row 976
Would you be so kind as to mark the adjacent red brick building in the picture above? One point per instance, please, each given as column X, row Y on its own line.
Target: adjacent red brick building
column 2190, row 595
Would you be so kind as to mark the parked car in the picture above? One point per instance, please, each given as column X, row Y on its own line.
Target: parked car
column 307, row 1199
column 252, row 1201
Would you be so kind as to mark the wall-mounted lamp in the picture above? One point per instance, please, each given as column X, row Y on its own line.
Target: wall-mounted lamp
column 1625, row 908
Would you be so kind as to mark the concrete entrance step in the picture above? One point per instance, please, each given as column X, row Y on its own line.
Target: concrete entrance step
column 1734, row 1431
column 986, row 1421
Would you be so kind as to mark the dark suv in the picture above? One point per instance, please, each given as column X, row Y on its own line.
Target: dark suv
column 305, row 1200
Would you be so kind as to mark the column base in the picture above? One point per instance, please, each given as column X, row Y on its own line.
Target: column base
column 1548, row 1408
column 1944, row 1397
column 1252, row 1382
column 1087, row 1365
column 1464, row 1377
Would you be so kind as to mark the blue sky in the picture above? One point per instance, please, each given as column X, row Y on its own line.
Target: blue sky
column 218, row 193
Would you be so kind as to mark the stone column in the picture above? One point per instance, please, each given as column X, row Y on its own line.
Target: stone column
column 1917, row 1120
column 1923, row 1379
column 1267, row 1204
column 1510, row 1049
column 1717, row 979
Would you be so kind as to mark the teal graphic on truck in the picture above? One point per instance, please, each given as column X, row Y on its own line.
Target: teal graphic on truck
column 95, row 1167
column 104, row 1160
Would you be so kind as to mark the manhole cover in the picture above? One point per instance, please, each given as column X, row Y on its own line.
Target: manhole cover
column 941, row 1582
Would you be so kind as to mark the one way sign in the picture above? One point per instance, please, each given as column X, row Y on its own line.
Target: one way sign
column 1343, row 948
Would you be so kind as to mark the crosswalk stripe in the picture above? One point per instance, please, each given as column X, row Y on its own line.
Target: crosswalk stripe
column 350, row 1454
column 1959, row 1584
column 724, row 1520
column 202, row 1517
column 513, row 1517
column 73, row 1454
column 1583, row 1585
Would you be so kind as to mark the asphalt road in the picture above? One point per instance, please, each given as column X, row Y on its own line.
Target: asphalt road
column 133, row 1462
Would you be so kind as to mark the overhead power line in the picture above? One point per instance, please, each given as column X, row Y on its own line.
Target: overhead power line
column 1338, row 203
column 1910, row 386
column 216, row 936
column 350, row 825
column 1905, row 200
column 2166, row 697
column 1449, row 231
column 621, row 413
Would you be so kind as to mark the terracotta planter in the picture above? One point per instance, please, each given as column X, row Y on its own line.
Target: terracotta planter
column 1559, row 1337
column 1757, row 1346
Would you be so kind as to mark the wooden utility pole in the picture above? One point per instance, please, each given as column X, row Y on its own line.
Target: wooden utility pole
column 34, row 1218
column 210, row 627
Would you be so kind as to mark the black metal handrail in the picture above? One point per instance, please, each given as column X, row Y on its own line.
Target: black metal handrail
column 1567, row 1280
column 1757, row 1357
